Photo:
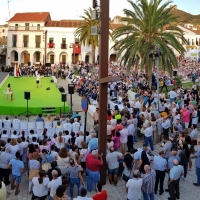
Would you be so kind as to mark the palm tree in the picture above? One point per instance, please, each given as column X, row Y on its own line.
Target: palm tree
column 147, row 25
column 84, row 32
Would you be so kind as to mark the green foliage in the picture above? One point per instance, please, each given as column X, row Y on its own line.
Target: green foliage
column 149, row 23
column 178, row 81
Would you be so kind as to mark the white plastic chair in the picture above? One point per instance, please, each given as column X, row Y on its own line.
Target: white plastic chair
column 68, row 128
column 23, row 125
column 39, row 125
column 16, row 125
column 76, row 128
column 31, row 125
column 6, row 94
column 7, row 124
column 59, row 130
column 55, row 124
column 40, row 132
column 7, row 135
column 47, row 125
column 51, row 132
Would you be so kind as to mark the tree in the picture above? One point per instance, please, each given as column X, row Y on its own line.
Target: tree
column 149, row 24
column 84, row 32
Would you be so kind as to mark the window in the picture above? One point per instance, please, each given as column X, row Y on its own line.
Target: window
column 63, row 45
column 63, row 40
column 26, row 26
column 63, row 58
column 16, row 26
column 15, row 56
column 37, row 56
column 4, row 37
column 25, row 40
column 50, row 40
column 38, row 27
column 37, row 41
column 14, row 40
column 3, row 30
column 52, row 59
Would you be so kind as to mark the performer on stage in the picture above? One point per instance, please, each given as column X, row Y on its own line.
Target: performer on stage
column 10, row 92
column 37, row 80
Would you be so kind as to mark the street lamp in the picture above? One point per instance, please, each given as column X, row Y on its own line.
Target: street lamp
column 154, row 54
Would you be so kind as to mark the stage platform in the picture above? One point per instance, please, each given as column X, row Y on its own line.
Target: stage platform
column 41, row 100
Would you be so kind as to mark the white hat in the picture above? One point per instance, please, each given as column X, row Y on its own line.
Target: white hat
column 95, row 152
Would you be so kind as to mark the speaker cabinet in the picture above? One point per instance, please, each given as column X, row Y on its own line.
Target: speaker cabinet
column 174, row 73
column 29, row 63
column 70, row 88
column 61, row 89
column 64, row 97
column 48, row 88
column 27, row 95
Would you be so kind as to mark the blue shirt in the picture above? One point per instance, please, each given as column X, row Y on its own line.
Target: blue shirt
column 171, row 159
column 17, row 165
column 131, row 129
column 39, row 119
column 197, row 160
column 166, row 124
column 47, row 158
column 93, row 144
column 160, row 163
column 4, row 159
column 176, row 172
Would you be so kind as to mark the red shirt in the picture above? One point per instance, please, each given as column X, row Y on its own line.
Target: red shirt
column 92, row 163
column 108, row 117
column 102, row 196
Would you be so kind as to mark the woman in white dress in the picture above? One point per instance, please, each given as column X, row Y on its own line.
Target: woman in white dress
column 8, row 90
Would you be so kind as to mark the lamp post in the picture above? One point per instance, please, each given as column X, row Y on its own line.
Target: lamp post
column 155, row 54
column 72, row 46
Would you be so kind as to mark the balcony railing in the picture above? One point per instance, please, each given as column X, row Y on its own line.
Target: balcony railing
column 63, row 46
column 25, row 44
column 51, row 45
column 14, row 44
column 37, row 45
column 26, row 28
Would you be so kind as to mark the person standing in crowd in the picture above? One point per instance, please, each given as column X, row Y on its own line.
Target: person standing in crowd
column 166, row 125
column 167, row 147
column 17, row 167
column 123, row 138
column 148, row 183
column 82, row 194
column 160, row 165
column 197, row 165
column 93, row 143
column 131, row 130
column 101, row 194
column 93, row 165
column 112, row 161
column 5, row 158
column 133, row 187
column 60, row 193
column 148, row 131
column 54, row 183
column 174, row 177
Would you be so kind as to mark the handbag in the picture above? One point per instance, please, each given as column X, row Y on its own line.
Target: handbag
column 126, row 178
column 46, row 166
column 33, row 173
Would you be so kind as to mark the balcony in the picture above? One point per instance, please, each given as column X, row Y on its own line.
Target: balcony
column 25, row 28
column 14, row 44
column 51, row 45
column 37, row 45
column 63, row 46
column 25, row 44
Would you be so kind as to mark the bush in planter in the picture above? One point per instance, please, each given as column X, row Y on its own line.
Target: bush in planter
column 178, row 81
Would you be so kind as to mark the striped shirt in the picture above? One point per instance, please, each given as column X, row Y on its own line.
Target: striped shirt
column 149, row 182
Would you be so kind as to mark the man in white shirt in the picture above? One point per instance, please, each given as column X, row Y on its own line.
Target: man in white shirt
column 133, row 187
column 123, row 138
column 148, row 135
column 79, row 139
column 67, row 125
column 131, row 130
column 137, row 104
column 75, row 126
column 53, row 185
column 172, row 95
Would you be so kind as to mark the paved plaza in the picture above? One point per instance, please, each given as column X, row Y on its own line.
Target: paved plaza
column 187, row 189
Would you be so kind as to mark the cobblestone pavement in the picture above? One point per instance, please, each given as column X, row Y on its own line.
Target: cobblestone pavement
column 187, row 189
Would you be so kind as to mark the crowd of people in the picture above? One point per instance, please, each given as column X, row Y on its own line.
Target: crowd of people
column 168, row 120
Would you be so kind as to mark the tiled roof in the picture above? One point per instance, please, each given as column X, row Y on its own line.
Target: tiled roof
column 64, row 23
column 31, row 16
column 73, row 24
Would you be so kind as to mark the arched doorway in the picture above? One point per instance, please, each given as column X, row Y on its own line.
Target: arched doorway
column 75, row 58
column 88, row 57
column 37, row 57
column 51, row 57
column 14, row 56
column 63, row 57
column 25, row 58
column 113, row 57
